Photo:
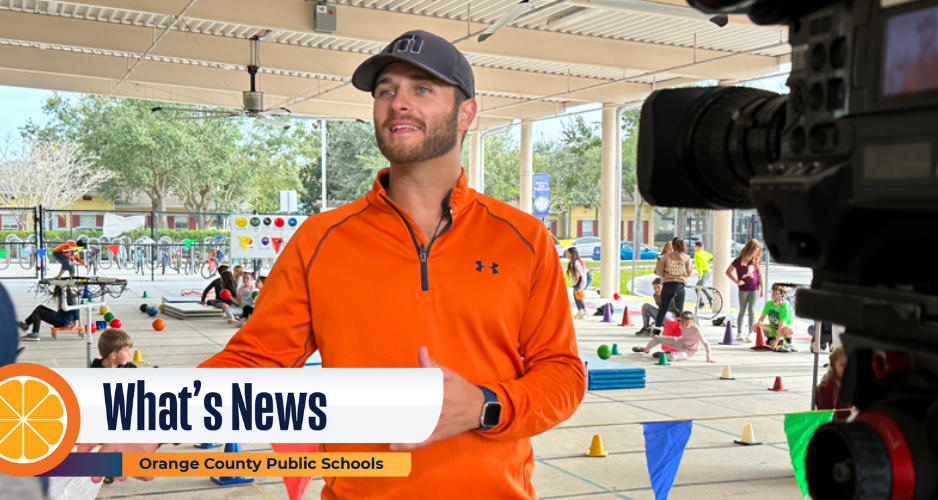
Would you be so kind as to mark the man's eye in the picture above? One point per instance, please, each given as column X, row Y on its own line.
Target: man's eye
column 386, row 92
column 423, row 90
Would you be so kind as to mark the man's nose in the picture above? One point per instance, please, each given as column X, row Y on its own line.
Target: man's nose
column 401, row 102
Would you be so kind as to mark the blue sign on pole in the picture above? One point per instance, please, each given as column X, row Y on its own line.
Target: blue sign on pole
column 541, row 195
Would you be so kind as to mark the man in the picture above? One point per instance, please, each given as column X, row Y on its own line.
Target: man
column 467, row 284
column 702, row 260
column 685, row 346
column 650, row 312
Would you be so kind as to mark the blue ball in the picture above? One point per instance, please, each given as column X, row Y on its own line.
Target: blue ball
column 811, row 330
column 152, row 311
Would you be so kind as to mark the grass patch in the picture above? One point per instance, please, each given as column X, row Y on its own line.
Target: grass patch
column 625, row 276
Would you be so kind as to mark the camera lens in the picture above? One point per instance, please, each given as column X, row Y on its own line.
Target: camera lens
column 846, row 461
column 736, row 134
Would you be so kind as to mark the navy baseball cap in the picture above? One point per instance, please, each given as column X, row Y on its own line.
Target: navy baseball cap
column 424, row 50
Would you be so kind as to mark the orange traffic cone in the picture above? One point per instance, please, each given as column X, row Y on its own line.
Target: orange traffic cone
column 626, row 319
column 778, row 387
column 760, row 341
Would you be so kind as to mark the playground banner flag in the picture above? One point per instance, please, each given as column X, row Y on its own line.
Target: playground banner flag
column 541, row 195
column 296, row 486
column 799, row 427
column 664, row 449
column 41, row 252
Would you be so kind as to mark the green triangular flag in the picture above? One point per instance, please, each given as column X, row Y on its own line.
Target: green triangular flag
column 188, row 243
column 799, row 427
column 3, row 253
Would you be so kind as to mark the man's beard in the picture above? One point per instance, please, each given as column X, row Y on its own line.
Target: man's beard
column 439, row 139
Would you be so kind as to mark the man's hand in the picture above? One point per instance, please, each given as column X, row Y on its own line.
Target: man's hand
column 462, row 405
column 120, row 448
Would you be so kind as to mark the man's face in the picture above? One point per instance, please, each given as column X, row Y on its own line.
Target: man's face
column 416, row 116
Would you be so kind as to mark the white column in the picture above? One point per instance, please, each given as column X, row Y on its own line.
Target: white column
column 475, row 152
column 322, row 124
column 608, row 211
column 722, row 243
column 527, row 166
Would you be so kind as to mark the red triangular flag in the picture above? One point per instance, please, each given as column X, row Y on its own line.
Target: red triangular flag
column 277, row 242
column 114, row 249
column 296, row 486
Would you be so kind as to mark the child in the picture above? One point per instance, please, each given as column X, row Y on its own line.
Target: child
column 65, row 253
column 674, row 269
column 58, row 319
column 702, row 260
column 114, row 346
column 214, row 285
column 749, row 280
column 828, row 391
column 687, row 344
column 244, row 299
column 779, row 327
column 224, row 282
column 576, row 270
column 649, row 312
column 238, row 271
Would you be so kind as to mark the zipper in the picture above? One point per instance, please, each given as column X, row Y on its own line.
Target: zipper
column 423, row 253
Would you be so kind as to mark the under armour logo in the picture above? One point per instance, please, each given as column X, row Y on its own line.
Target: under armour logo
column 493, row 267
column 409, row 43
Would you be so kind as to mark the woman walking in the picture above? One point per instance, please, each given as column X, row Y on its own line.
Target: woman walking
column 674, row 269
column 578, row 273
column 748, row 277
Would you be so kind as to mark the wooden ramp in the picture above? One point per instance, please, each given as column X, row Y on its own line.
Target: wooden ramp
column 190, row 311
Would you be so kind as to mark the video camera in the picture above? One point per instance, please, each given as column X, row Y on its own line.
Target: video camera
column 844, row 173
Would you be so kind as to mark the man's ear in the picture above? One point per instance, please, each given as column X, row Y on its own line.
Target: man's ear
column 467, row 113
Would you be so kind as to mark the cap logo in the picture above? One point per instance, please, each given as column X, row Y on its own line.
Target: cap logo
column 408, row 43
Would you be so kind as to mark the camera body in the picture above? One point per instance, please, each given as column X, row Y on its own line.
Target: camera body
column 844, row 174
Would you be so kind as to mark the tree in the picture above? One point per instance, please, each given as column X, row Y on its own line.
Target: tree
column 149, row 152
column 51, row 174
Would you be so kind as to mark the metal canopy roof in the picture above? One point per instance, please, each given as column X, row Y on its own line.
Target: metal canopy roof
column 559, row 53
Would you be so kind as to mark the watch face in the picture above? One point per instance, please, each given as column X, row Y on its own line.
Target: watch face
column 492, row 414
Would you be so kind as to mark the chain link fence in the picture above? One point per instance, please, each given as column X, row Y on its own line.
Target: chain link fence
column 133, row 245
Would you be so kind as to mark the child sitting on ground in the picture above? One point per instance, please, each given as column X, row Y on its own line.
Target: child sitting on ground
column 114, row 346
column 248, row 310
column 685, row 346
column 650, row 312
column 779, row 327
column 828, row 391
column 244, row 297
column 58, row 319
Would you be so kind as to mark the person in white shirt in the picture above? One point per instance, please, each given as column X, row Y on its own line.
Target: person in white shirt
column 686, row 345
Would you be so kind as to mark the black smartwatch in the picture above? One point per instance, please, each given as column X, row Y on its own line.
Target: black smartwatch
column 491, row 410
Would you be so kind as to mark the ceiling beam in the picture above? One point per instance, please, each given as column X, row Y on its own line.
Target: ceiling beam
column 383, row 26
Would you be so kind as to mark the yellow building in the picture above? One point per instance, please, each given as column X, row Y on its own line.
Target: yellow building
column 582, row 221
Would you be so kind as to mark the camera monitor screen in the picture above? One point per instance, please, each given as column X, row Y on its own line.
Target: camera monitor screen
column 910, row 61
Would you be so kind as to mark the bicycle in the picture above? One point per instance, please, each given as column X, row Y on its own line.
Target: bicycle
column 704, row 308
column 208, row 268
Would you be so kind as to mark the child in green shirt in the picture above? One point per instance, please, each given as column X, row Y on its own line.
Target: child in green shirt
column 779, row 327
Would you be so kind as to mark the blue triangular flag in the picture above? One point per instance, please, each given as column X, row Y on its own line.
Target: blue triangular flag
column 664, row 448
column 41, row 252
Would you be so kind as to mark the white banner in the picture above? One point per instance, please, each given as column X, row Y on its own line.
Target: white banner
column 257, row 405
column 259, row 236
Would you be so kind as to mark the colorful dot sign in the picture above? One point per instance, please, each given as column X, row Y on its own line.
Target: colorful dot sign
column 265, row 241
column 292, row 222
column 241, row 222
column 266, row 221
column 278, row 222
column 255, row 221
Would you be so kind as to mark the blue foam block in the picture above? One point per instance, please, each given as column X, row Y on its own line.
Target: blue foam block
column 603, row 374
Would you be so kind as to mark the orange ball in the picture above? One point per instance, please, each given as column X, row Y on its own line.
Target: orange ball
column 159, row 324
column 580, row 295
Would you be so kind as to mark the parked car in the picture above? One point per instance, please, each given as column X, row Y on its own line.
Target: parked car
column 560, row 248
column 625, row 252
column 584, row 245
